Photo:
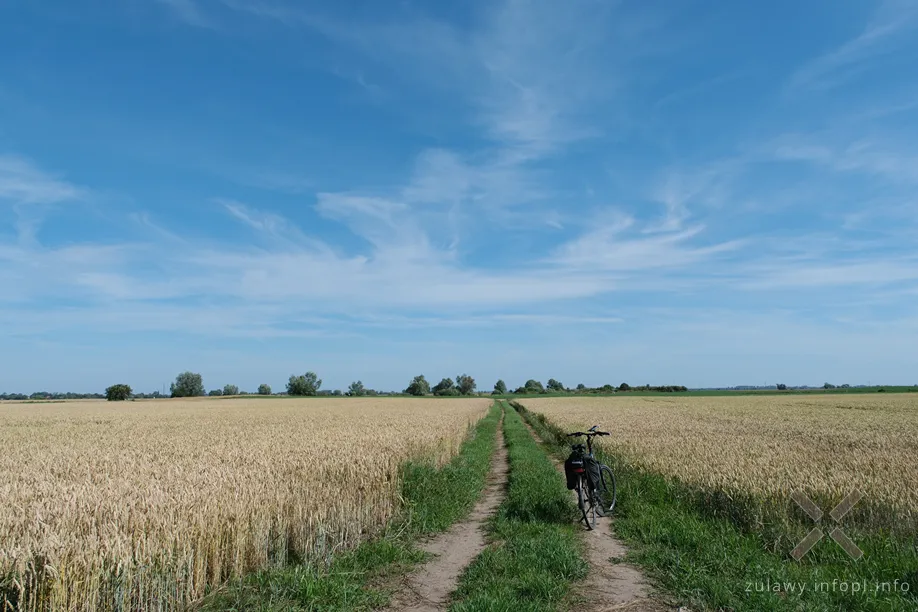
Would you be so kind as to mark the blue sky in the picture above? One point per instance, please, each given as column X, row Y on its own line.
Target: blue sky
column 658, row 192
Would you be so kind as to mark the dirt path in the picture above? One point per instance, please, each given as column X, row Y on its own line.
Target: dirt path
column 611, row 583
column 428, row 589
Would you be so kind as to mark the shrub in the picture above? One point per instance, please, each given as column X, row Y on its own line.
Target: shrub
column 118, row 393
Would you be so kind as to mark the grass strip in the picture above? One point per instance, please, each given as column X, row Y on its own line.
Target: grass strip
column 362, row 578
column 535, row 551
column 710, row 562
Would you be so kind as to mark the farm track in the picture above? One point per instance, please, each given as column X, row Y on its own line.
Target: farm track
column 611, row 583
column 428, row 589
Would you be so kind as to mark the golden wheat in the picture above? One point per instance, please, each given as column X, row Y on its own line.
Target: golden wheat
column 142, row 505
column 767, row 446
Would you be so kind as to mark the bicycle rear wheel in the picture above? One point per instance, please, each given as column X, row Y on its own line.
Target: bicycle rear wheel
column 605, row 492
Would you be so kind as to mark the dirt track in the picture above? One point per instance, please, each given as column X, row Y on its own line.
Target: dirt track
column 611, row 583
column 428, row 589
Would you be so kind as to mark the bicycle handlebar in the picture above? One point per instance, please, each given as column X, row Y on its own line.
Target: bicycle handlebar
column 590, row 433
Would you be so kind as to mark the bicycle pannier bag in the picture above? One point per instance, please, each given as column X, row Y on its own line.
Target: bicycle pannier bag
column 592, row 471
column 573, row 469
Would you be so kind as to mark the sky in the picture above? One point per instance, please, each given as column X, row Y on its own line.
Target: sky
column 655, row 192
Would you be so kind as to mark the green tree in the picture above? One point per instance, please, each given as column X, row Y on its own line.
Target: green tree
column 500, row 388
column 187, row 384
column 264, row 389
column 534, row 386
column 216, row 393
column 230, row 390
column 445, row 387
column 307, row 384
column 828, row 386
column 782, row 387
column 418, row 387
column 118, row 393
column 465, row 384
column 554, row 385
column 624, row 387
column 581, row 387
column 356, row 389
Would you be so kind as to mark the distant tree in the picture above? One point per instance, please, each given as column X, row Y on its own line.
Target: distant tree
column 264, row 389
column 500, row 388
column 607, row 389
column 782, row 387
column 307, row 384
column 372, row 393
column 846, row 386
column 581, row 387
column 187, row 384
column 554, row 385
column 533, row 386
column 465, row 384
column 356, row 389
column 337, row 392
column 828, row 386
column 418, row 386
column 624, row 387
column 445, row 387
column 216, row 393
column 118, row 393
column 230, row 390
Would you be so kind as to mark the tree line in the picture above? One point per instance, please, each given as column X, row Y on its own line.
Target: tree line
column 533, row 386
column 191, row 384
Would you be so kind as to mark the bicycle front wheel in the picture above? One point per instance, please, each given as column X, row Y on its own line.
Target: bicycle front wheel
column 582, row 502
column 605, row 492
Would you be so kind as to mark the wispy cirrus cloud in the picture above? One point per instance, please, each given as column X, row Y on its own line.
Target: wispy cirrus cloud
column 189, row 12
column 30, row 191
column 23, row 182
column 892, row 25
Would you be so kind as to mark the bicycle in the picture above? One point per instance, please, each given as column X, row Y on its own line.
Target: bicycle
column 592, row 498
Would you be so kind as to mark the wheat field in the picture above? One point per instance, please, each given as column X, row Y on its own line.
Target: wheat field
column 143, row 505
column 763, row 448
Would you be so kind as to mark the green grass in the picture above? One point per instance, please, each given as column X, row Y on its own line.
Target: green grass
column 535, row 551
column 363, row 578
column 710, row 562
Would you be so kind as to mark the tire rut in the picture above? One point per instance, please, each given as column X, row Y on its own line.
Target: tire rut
column 428, row 589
